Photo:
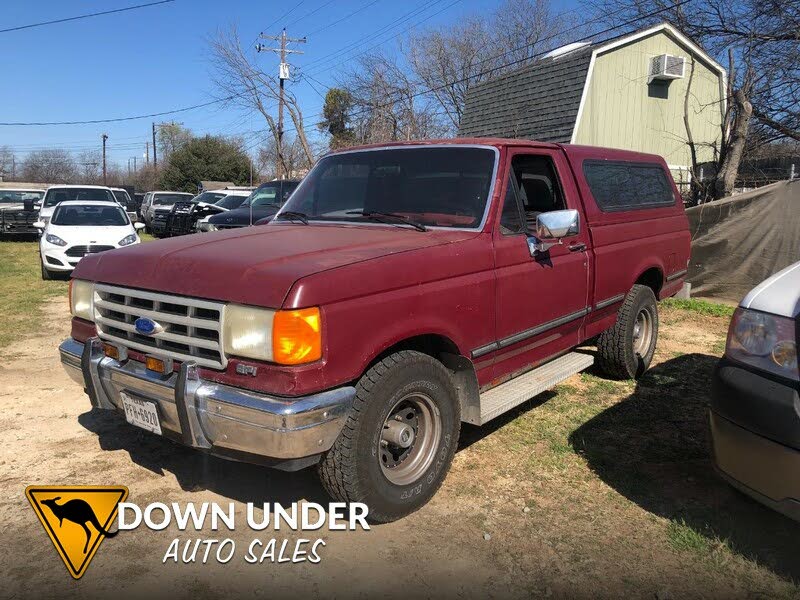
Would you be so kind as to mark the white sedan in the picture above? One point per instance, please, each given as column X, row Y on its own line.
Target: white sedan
column 80, row 228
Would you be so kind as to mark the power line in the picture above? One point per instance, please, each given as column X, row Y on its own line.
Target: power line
column 344, row 18
column 118, row 119
column 87, row 16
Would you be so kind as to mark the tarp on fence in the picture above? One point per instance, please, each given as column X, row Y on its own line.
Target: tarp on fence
column 740, row 241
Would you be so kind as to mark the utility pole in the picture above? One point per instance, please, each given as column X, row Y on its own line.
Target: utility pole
column 155, row 157
column 105, row 137
column 147, row 152
column 283, row 75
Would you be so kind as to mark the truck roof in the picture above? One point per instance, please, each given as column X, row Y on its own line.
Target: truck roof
column 574, row 151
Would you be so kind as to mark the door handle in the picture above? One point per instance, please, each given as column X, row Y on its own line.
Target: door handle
column 579, row 247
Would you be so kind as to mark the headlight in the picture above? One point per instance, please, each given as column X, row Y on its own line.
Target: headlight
column 764, row 341
column 54, row 239
column 81, row 299
column 248, row 331
column 287, row 337
column 208, row 227
column 129, row 239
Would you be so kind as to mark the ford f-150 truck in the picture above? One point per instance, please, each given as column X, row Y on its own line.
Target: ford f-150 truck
column 402, row 290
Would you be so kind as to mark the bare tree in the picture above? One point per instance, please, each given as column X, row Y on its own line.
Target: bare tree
column 7, row 162
column 247, row 85
column 90, row 165
column 172, row 136
column 387, row 103
column 450, row 60
column 49, row 166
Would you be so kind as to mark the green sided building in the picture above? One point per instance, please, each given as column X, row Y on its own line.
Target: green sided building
column 626, row 93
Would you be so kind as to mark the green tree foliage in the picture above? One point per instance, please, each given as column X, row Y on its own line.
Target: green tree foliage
column 336, row 114
column 205, row 158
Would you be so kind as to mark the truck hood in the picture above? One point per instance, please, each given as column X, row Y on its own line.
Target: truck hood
column 255, row 266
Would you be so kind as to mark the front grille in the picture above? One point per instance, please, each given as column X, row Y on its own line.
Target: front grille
column 192, row 328
column 81, row 251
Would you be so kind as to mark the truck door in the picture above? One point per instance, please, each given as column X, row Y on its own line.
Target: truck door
column 542, row 300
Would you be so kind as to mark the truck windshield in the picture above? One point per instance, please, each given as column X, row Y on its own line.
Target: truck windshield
column 436, row 186
column 231, row 202
column 18, row 197
column 169, row 199
column 89, row 216
column 56, row 195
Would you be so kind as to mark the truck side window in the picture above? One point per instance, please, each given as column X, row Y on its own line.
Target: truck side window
column 510, row 219
column 538, row 185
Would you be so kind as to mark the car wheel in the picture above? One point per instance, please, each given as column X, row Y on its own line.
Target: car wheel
column 46, row 274
column 626, row 350
column 399, row 438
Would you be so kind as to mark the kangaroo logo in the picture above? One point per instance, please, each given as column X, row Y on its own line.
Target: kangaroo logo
column 77, row 519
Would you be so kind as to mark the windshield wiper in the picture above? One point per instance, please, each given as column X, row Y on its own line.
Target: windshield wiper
column 293, row 214
column 387, row 217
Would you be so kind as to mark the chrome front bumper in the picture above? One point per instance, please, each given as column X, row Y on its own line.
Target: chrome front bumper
column 220, row 419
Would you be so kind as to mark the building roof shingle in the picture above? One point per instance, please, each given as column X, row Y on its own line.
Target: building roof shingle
column 538, row 101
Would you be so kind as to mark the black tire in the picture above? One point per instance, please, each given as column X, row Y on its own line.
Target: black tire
column 354, row 470
column 621, row 353
column 46, row 274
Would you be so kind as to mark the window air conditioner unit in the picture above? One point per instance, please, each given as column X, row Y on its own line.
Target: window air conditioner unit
column 666, row 67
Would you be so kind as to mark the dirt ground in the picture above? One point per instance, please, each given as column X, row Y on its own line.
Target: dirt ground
column 598, row 488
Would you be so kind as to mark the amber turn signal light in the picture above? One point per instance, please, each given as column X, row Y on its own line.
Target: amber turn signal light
column 111, row 351
column 297, row 336
column 155, row 364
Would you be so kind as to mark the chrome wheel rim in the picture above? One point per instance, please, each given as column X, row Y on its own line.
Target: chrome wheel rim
column 409, row 438
column 643, row 332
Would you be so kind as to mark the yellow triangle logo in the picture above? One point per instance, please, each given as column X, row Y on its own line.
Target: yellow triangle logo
column 77, row 519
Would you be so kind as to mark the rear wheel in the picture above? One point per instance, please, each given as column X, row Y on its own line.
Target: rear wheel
column 399, row 439
column 626, row 350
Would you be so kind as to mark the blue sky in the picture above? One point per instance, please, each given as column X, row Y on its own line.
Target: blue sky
column 157, row 59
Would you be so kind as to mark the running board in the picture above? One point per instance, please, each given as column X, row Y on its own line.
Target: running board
column 512, row 393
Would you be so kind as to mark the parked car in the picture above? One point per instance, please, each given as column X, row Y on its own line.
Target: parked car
column 19, row 211
column 69, row 193
column 156, row 207
column 755, row 407
column 231, row 201
column 79, row 228
column 264, row 202
column 125, row 201
column 184, row 216
column 401, row 290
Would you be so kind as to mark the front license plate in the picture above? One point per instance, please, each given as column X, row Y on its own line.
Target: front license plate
column 141, row 413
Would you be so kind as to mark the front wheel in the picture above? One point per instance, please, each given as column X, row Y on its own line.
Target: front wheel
column 46, row 274
column 626, row 350
column 399, row 439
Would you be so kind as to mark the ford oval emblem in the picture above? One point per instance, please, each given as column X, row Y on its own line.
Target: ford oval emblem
column 147, row 326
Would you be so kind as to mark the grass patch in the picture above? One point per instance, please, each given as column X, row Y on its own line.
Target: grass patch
column 22, row 290
column 682, row 537
column 702, row 307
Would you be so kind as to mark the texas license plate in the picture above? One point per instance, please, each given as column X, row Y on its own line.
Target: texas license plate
column 141, row 413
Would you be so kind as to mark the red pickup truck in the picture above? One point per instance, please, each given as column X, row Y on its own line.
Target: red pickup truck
column 403, row 289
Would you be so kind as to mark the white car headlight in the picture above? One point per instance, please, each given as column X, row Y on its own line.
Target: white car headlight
column 248, row 331
column 129, row 239
column 81, row 299
column 55, row 240
column 764, row 341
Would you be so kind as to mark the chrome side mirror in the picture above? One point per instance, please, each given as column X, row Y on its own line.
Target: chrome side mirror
column 551, row 227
